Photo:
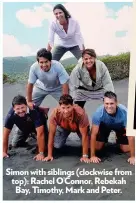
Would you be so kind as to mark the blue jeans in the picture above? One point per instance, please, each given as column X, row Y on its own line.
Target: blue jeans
column 59, row 51
column 62, row 135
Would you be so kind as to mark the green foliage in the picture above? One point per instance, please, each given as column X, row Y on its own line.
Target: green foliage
column 118, row 67
column 69, row 68
column 15, row 78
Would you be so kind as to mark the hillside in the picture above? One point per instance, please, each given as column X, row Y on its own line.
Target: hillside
column 12, row 65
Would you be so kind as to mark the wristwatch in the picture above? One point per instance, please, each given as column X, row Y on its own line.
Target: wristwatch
column 85, row 155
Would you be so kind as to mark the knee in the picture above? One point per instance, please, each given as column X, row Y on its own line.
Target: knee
column 99, row 145
column 124, row 148
column 14, row 144
column 58, row 145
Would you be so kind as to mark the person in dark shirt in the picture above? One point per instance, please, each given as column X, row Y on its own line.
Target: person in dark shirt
column 28, row 121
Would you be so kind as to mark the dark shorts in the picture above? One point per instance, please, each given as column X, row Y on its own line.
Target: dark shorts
column 104, row 132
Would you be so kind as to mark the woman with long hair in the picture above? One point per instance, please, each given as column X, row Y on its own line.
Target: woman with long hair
column 90, row 79
column 68, row 33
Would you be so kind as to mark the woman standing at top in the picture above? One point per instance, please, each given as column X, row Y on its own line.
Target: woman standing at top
column 69, row 35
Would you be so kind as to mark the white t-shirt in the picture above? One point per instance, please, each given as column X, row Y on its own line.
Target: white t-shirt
column 51, row 80
column 73, row 37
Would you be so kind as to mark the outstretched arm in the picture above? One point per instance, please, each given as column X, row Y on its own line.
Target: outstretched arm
column 52, row 130
column 131, row 142
column 6, row 133
column 94, row 133
column 41, row 143
column 85, row 141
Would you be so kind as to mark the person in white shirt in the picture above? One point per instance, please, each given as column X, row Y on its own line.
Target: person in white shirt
column 68, row 32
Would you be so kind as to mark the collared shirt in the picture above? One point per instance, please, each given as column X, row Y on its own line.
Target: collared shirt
column 27, row 124
column 73, row 37
column 51, row 80
column 115, row 122
column 78, row 120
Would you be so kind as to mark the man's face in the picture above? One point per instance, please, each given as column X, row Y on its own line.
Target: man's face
column 66, row 110
column 110, row 105
column 20, row 110
column 88, row 61
column 44, row 64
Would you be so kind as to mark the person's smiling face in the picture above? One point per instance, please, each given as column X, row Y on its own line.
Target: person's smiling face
column 44, row 64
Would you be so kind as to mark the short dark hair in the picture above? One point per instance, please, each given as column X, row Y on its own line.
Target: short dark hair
column 90, row 52
column 44, row 53
column 61, row 7
column 110, row 95
column 18, row 100
column 66, row 99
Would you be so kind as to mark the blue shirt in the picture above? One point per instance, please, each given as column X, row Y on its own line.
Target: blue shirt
column 114, row 122
column 27, row 124
column 51, row 80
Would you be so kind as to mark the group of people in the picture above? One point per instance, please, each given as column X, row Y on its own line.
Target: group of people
column 90, row 79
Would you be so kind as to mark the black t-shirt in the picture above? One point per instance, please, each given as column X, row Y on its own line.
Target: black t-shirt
column 35, row 118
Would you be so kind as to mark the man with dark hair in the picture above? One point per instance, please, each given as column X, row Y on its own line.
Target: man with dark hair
column 108, row 117
column 49, row 78
column 67, row 118
column 28, row 121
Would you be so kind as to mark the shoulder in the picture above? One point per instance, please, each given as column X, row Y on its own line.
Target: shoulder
column 99, row 112
column 35, row 112
column 56, row 65
column 34, row 65
column 100, row 65
column 55, row 113
column 10, row 114
column 73, row 20
column 80, row 112
column 122, row 108
column 53, row 24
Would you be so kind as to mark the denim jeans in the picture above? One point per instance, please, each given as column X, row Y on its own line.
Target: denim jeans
column 59, row 51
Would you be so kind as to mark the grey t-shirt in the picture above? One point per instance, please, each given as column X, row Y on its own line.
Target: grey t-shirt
column 51, row 80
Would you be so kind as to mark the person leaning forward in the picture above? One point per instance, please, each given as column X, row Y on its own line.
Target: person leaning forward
column 67, row 29
column 67, row 118
column 108, row 117
column 28, row 121
column 90, row 79
column 46, row 77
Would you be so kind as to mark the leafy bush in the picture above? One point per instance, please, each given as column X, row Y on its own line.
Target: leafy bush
column 118, row 65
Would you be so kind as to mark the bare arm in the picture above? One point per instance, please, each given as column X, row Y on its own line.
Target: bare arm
column 83, row 132
column 65, row 88
column 131, row 142
column 29, row 92
column 40, row 139
column 52, row 131
column 94, row 132
column 6, row 133
column 29, row 95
